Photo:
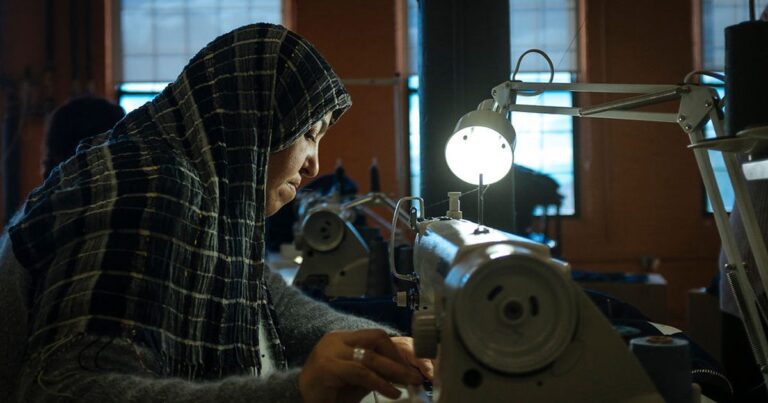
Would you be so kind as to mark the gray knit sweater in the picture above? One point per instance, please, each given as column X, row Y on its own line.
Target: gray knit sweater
column 95, row 369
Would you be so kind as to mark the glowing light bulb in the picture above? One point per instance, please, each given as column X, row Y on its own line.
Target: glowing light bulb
column 476, row 150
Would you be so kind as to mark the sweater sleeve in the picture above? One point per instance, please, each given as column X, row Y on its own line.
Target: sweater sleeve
column 303, row 321
column 94, row 369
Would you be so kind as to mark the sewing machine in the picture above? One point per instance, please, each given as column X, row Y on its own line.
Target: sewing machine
column 503, row 316
column 506, row 320
column 340, row 259
column 335, row 257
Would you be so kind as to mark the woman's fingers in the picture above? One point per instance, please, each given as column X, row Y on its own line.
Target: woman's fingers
column 426, row 368
column 343, row 362
column 357, row 374
column 405, row 348
column 373, row 339
column 390, row 370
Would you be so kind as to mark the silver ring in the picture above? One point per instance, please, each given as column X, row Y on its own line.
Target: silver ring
column 358, row 354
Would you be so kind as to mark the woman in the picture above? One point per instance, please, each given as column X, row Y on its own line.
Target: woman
column 141, row 259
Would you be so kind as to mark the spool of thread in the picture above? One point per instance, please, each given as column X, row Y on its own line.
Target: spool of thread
column 667, row 361
column 746, row 71
column 454, row 206
column 626, row 332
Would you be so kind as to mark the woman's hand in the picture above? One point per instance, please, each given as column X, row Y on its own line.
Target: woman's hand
column 405, row 348
column 332, row 374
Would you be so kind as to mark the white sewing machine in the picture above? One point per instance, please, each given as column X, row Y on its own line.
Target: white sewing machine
column 507, row 322
column 504, row 318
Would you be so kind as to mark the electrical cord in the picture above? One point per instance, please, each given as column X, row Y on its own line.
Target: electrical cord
column 549, row 62
column 708, row 73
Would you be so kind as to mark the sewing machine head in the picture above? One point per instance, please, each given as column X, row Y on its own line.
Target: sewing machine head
column 506, row 320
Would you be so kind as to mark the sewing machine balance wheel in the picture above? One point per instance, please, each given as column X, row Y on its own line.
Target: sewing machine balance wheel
column 516, row 314
column 323, row 230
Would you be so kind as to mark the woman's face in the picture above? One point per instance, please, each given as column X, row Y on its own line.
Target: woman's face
column 287, row 167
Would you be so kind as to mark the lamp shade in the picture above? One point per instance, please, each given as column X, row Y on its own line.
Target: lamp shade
column 482, row 143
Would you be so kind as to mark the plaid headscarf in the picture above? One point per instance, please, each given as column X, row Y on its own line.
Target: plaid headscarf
column 155, row 231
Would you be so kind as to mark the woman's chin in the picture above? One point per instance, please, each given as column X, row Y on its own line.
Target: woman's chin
column 284, row 197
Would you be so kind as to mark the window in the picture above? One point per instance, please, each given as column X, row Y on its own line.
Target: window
column 716, row 15
column 414, row 137
column 158, row 37
column 414, row 132
column 544, row 142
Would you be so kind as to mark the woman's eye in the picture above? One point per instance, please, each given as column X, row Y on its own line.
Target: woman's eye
column 311, row 137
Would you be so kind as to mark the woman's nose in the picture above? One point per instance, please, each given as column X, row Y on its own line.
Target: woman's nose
column 311, row 166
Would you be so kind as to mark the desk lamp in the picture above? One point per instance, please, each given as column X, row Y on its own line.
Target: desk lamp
column 481, row 149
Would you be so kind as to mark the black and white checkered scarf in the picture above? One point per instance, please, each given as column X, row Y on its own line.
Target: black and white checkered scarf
column 155, row 231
